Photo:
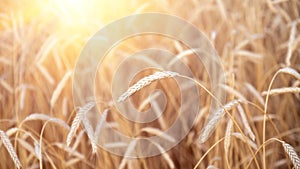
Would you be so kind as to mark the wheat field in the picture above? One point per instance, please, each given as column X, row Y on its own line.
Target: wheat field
column 258, row 126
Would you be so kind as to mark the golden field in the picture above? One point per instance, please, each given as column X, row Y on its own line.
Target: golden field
column 258, row 42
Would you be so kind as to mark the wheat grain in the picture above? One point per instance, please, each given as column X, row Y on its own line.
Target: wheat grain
column 245, row 122
column 248, row 141
column 37, row 150
column 227, row 136
column 144, row 82
column 292, row 154
column 291, row 43
column 212, row 123
column 9, row 147
column 282, row 91
column 59, row 88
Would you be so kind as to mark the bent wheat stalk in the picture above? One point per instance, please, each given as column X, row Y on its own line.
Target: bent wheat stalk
column 282, row 90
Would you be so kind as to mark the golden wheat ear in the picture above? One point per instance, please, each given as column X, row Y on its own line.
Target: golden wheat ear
column 145, row 82
column 292, row 154
column 77, row 120
column 216, row 117
column 7, row 144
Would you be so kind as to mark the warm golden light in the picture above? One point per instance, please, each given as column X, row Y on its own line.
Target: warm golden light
column 258, row 43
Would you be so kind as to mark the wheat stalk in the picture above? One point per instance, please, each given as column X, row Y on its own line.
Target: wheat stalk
column 282, row 91
column 290, row 71
column 145, row 82
column 212, row 123
column 245, row 122
column 9, row 147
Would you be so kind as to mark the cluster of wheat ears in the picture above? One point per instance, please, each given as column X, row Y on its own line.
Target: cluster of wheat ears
column 258, row 42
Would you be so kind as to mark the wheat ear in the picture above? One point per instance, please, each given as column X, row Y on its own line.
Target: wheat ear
column 228, row 136
column 291, row 43
column 90, row 132
column 9, row 147
column 245, row 122
column 216, row 117
column 292, row 154
column 145, row 82
column 77, row 120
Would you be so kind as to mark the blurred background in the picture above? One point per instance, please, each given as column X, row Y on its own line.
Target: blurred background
column 41, row 40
